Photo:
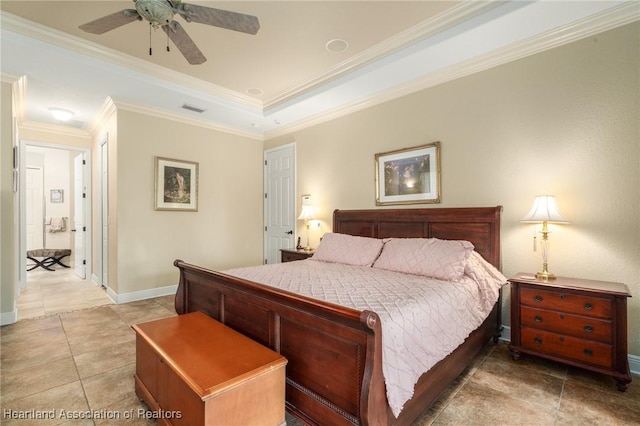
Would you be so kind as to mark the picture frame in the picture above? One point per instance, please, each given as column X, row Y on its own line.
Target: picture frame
column 408, row 175
column 176, row 185
column 57, row 196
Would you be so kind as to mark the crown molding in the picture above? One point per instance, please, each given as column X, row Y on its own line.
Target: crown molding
column 20, row 98
column 428, row 28
column 107, row 109
column 82, row 46
column 8, row 78
column 154, row 112
column 626, row 13
column 54, row 129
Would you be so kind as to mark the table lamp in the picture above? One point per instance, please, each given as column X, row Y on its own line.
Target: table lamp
column 307, row 214
column 544, row 210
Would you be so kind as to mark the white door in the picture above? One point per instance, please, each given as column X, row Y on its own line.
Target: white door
column 279, row 202
column 105, row 211
column 79, row 225
column 34, row 206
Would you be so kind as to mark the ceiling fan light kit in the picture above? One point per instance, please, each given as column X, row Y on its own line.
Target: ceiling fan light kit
column 160, row 13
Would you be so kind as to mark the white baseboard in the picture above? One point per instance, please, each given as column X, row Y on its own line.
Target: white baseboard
column 634, row 364
column 7, row 318
column 634, row 360
column 133, row 296
column 95, row 279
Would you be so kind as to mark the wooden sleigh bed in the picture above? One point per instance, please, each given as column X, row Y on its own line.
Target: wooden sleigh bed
column 334, row 371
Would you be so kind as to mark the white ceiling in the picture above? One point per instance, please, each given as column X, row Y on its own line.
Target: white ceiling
column 394, row 48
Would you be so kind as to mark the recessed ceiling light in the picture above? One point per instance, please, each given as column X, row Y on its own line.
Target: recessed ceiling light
column 337, row 45
column 61, row 114
column 254, row 91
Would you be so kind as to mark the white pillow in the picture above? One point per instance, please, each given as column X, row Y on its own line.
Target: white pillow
column 348, row 249
column 431, row 257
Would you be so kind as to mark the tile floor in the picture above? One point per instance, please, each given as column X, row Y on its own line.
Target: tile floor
column 85, row 360
column 51, row 292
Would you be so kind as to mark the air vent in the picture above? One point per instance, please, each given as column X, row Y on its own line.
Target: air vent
column 193, row 108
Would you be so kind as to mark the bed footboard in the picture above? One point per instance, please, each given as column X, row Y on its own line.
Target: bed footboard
column 334, row 370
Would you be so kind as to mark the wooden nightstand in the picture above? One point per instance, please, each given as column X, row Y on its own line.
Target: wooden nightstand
column 578, row 322
column 289, row 255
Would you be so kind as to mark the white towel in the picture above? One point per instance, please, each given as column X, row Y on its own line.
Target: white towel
column 58, row 224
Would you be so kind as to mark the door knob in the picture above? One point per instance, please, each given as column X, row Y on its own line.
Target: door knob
column 289, row 233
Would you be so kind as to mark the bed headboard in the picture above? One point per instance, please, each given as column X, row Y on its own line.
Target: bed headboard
column 478, row 225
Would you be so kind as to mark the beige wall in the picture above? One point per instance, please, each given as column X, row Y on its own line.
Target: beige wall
column 6, row 202
column 563, row 122
column 227, row 229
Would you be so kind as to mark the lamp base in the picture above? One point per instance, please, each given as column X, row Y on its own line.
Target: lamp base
column 545, row 276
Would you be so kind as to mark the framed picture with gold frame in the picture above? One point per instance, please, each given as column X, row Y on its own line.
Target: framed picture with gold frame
column 176, row 185
column 408, row 175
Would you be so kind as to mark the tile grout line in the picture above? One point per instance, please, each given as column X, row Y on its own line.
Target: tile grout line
column 75, row 365
column 557, row 413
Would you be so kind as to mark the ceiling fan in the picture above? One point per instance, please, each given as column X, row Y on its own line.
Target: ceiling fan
column 160, row 13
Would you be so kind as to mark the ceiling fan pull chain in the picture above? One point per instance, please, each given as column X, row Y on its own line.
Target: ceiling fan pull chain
column 150, row 39
column 168, row 50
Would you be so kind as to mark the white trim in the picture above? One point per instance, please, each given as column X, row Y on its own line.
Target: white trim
column 605, row 17
column 428, row 28
column 621, row 15
column 634, row 364
column 141, row 294
column 155, row 112
column 55, row 37
column 94, row 279
column 55, row 129
column 11, row 317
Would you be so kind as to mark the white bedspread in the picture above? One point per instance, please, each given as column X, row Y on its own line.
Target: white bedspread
column 423, row 320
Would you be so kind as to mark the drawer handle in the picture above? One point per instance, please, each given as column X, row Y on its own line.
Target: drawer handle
column 537, row 318
column 588, row 352
column 588, row 328
column 561, row 296
column 538, row 298
column 538, row 340
column 588, row 306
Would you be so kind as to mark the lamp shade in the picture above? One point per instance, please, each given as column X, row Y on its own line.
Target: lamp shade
column 307, row 213
column 544, row 209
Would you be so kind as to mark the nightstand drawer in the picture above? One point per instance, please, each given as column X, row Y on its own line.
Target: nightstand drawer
column 573, row 325
column 568, row 347
column 566, row 302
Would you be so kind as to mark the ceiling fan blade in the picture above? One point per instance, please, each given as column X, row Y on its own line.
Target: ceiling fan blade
column 184, row 43
column 219, row 18
column 110, row 22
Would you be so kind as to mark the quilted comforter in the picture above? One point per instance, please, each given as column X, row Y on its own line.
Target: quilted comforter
column 423, row 320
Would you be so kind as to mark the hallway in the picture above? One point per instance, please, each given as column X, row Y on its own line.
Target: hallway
column 49, row 293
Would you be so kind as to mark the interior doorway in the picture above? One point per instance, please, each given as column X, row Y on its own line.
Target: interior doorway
column 54, row 214
column 279, row 201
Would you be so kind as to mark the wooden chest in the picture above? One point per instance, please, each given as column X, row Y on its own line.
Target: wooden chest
column 193, row 370
column 578, row 322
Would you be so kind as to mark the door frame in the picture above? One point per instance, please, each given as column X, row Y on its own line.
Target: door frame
column 21, row 273
column 265, row 241
column 101, row 274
